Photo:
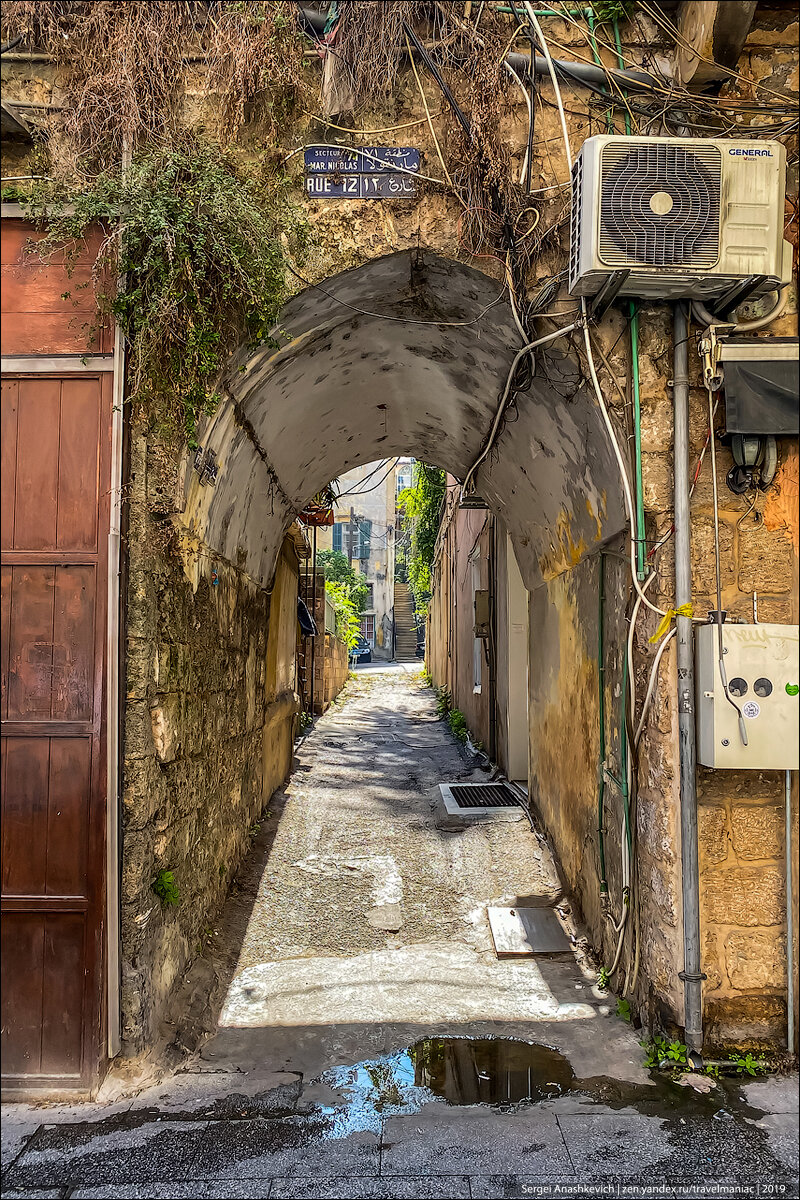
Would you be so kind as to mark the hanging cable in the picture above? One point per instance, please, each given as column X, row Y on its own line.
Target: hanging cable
column 428, row 114
column 549, row 337
column 365, row 479
column 723, row 674
column 374, row 486
column 623, row 470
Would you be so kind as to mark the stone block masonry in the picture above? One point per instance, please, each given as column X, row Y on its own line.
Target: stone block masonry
column 743, row 890
column 194, row 746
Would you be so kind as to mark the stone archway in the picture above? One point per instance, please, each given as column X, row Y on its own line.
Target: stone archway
column 405, row 355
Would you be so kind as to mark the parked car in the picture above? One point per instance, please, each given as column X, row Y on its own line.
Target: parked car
column 361, row 652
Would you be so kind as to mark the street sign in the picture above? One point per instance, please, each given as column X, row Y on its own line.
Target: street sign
column 373, row 172
column 360, row 187
column 366, row 161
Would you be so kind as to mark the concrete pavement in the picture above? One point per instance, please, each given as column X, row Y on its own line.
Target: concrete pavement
column 349, row 1031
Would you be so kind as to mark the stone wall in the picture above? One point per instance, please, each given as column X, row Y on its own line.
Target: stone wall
column 337, row 667
column 204, row 744
column 282, row 702
column 740, row 812
column 741, row 829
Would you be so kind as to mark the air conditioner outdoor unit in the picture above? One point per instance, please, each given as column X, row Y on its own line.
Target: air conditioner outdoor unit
column 686, row 217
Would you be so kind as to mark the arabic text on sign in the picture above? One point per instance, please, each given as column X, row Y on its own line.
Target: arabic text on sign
column 367, row 161
column 360, row 187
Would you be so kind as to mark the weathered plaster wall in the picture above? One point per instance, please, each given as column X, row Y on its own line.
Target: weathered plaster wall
column 281, row 700
column 464, row 563
column 565, row 765
column 208, row 723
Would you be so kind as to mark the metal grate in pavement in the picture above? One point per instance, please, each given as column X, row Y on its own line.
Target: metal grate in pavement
column 466, row 798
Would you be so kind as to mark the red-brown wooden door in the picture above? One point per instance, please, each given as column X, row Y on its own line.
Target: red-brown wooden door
column 55, row 512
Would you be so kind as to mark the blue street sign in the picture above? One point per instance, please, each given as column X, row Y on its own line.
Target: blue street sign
column 366, row 161
column 360, row 187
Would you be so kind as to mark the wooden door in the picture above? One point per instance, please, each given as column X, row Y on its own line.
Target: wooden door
column 55, row 512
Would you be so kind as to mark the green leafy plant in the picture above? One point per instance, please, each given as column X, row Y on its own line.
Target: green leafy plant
column 653, row 1051
column 613, row 10
column 747, row 1064
column 338, row 569
column 193, row 261
column 660, row 1050
column 348, row 621
column 676, row 1053
column 443, row 703
column 624, row 1009
column 166, row 888
column 305, row 720
column 458, row 724
column 421, row 505
column 603, row 979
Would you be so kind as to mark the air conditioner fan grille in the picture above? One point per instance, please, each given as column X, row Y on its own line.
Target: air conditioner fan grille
column 660, row 206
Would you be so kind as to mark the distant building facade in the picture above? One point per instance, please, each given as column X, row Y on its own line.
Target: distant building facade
column 364, row 531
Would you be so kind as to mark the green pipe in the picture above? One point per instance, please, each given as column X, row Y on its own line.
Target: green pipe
column 641, row 563
column 623, row 755
column 599, row 61
column 621, row 64
column 601, row 704
column 595, row 53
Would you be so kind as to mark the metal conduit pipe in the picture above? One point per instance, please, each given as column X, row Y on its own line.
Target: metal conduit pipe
column 577, row 71
column 690, row 872
column 708, row 318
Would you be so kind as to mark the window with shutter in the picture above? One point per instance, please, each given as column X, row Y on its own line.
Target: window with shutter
column 337, row 535
column 365, row 532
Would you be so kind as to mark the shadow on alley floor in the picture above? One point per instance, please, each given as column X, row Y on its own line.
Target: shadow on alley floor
column 349, row 1030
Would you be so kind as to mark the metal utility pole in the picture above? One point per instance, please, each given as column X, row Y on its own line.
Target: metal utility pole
column 691, row 974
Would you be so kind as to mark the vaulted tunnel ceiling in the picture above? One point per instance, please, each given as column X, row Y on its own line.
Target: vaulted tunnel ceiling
column 347, row 387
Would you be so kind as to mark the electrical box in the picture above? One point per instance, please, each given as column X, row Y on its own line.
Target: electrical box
column 761, row 666
column 483, row 614
column 760, row 380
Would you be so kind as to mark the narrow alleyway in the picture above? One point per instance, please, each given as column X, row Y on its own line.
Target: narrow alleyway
column 349, row 1030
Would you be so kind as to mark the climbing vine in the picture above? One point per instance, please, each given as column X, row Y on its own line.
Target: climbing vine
column 129, row 71
column 193, row 258
column 348, row 620
column 422, row 506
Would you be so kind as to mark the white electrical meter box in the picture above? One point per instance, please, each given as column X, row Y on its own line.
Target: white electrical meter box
column 761, row 666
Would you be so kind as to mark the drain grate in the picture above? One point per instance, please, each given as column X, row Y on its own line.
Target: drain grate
column 477, row 797
column 483, row 795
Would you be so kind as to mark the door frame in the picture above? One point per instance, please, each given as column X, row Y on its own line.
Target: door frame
column 108, row 1030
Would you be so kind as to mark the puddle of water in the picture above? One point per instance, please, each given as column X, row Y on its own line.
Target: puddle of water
column 493, row 1071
